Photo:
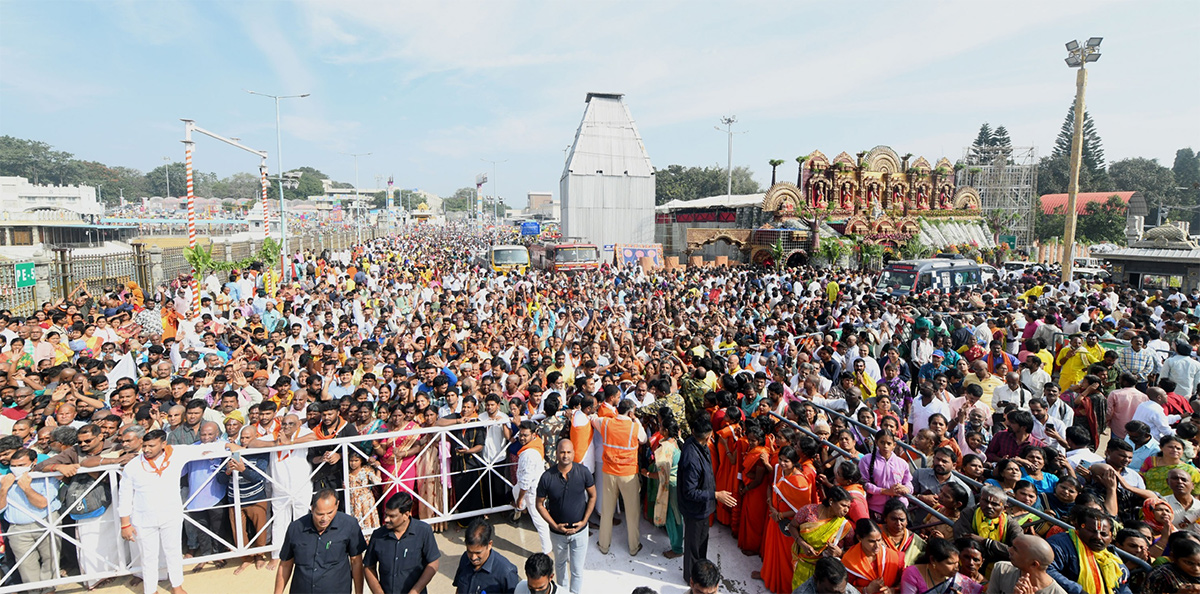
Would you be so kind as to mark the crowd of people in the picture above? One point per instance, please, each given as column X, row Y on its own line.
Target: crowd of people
column 1024, row 436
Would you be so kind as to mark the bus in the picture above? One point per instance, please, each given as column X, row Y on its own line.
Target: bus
column 565, row 257
column 506, row 258
column 940, row 274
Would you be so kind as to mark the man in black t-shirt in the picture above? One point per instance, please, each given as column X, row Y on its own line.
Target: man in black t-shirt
column 566, row 496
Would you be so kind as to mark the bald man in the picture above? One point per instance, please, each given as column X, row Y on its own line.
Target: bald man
column 1026, row 570
column 206, row 489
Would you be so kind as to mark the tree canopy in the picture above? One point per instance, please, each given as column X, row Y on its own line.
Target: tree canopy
column 40, row 163
column 1093, row 148
column 677, row 182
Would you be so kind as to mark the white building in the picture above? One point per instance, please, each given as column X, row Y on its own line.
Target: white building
column 17, row 195
column 35, row 217
column 607, row 186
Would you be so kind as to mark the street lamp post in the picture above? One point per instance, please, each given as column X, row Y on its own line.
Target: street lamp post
column 283, row 242
column 167, row 174
column 728, row 122
column 357, row 201
column 495, row 193
column 1077, row 57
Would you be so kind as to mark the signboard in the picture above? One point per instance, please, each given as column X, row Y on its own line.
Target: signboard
column 25, row 276
column 608, row 247
column 531, row 228
column 1011, row 240
column 629, row 254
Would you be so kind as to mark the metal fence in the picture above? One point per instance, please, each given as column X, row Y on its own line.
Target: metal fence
column 98, row 271
column 174, row 263
column 438, row 492
column 23, row 301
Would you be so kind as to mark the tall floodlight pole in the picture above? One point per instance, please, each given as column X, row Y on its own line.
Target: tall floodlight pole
column 357, row 201
column 495, row 193
column 728, row 122
column 167, row 174
column 1077, row 57
column 283, row 242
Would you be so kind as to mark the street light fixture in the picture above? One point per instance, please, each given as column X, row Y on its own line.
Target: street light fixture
column 357, row 200
column 495, row 194
column 283, row 242
column 1077, row 57
column 167, row 174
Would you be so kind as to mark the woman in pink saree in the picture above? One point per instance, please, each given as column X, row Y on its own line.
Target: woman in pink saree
column 398, row 455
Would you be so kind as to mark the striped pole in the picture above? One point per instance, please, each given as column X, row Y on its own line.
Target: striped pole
column 191, row 224
column 267, row 271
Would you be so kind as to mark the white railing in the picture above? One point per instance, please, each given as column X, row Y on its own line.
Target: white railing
column 437, row 441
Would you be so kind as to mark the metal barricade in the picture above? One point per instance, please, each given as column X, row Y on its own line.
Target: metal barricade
column 117, row 557
column 21, row 301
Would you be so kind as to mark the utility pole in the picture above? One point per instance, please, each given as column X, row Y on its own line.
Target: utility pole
column 357, row 201
column 167, row 168
column 728, row 122
column 495, row 193
column 1078, row 57
column 283, row 232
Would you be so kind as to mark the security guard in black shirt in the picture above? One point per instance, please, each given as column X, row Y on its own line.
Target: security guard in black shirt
column 403, row 555
column 324, row 549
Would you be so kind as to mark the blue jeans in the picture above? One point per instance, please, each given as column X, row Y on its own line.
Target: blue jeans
column 573, row 550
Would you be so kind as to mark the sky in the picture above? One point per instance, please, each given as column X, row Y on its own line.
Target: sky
column 433, row 89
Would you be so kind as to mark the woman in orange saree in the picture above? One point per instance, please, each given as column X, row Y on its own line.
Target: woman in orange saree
column 790, row 491
column 817, row 530
column 727, row 463
column 870, row 562
column 754, row 491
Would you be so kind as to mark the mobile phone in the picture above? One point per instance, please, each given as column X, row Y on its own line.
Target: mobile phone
column 237, row 456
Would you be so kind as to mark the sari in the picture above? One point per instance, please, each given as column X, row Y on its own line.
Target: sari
column 859, row 508
column 753, row 502
column 818, row 534
column 725, row 472
column 863, row 570
column 666, row 500
column 431, row 483
column 1156, row 475
column 403, row 470
column 789, row 494
column 910, row 548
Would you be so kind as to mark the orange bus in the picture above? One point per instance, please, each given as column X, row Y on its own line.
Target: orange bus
column 565, row 257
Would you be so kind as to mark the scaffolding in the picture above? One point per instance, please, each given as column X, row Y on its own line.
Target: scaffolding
column 1005, row 178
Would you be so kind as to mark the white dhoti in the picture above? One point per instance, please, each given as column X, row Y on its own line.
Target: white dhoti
column 95, row 534
column 291, row 496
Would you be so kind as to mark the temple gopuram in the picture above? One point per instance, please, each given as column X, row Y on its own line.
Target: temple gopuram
column 877, row 196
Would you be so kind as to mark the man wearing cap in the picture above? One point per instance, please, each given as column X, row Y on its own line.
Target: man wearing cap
column 934, row 367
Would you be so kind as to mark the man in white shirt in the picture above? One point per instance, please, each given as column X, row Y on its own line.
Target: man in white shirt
column 1047, row 428
column 924, row 407
column 292, row 484
column 1153, row 414
column 1012, row 391
column 150, row 508
column 1185, row 506
column 1183, row 369
column 494, row 447
column 1033, row 374
column 531, row 462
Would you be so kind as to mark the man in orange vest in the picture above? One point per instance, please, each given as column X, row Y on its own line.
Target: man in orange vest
column 620, row 436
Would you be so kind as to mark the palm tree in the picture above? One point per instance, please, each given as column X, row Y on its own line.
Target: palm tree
column 800, row 170
column 774, row 164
